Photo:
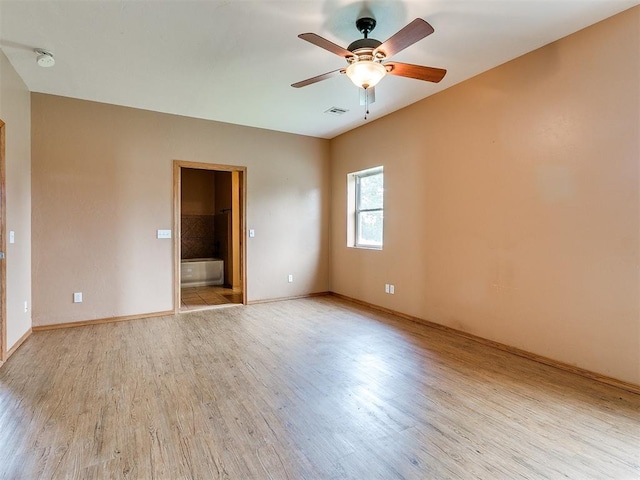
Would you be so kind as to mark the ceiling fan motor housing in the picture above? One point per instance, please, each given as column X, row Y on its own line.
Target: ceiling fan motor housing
column 368, row 43
column 363, row 47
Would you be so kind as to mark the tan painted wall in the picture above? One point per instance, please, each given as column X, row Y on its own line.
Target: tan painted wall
column 102, row 186
column 512, row 203
column 15, row 112
column 198, row 192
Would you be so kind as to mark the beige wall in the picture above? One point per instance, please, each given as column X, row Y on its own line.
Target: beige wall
column 512, row 203
column 102, row 186
column 198, row 192
column 15, row 112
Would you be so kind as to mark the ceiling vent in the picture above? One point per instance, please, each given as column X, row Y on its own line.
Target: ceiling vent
column 336, row 111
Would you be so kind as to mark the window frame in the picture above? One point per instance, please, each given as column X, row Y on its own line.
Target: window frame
column 357, row 177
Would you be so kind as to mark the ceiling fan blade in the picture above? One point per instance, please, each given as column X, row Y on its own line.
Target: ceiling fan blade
column 428, row 74
column 326, row 44
column 319, row 78
column 416, row 30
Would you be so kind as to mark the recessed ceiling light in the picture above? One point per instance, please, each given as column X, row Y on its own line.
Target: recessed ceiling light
column 45, row 58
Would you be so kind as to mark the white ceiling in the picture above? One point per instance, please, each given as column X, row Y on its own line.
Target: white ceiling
column 234, row 60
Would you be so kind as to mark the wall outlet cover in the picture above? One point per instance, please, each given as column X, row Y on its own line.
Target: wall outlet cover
column 77, row 297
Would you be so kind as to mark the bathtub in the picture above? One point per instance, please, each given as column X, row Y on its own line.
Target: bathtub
column 199, row 272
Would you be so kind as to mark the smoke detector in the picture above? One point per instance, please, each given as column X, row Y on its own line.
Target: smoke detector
column 45, row 58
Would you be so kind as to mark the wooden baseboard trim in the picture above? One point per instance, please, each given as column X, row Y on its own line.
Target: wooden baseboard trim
column 282, row 299
column 56, row 326
column 613, row 382
column 20, row 341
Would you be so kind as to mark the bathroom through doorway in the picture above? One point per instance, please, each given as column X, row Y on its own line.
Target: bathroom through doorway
column 209, row 246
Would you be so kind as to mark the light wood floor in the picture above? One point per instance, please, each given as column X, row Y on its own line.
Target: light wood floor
column 304, row 389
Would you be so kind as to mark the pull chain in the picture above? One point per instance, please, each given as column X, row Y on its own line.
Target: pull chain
column 366, row 102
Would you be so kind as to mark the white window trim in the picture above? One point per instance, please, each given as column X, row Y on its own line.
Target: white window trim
column 353, row 210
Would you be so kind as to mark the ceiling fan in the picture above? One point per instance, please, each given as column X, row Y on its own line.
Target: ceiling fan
column 366, row 57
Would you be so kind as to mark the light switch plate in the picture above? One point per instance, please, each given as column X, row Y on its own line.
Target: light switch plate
column 164, row 233
column 12, row 236
column 252, row 233
column 77, row 297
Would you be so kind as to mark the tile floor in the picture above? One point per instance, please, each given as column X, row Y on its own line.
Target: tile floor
column 199, row 297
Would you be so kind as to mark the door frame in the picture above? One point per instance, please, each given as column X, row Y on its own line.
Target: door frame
column 3, row 248
column 178, row 165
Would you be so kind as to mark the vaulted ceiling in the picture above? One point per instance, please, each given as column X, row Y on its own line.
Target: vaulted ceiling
column 234, row 61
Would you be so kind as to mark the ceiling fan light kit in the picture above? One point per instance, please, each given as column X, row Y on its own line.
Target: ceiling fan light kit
column 366, row 56
column 366, row 73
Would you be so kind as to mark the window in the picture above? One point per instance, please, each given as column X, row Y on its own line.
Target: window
column 367, row 191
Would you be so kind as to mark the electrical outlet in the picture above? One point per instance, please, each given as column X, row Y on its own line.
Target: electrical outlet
column 77, row 297
column 290, row 278
column 386, row 288
column 392, row 289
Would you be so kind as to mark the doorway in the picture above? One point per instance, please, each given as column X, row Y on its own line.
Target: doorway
column 209, row 245
column 3, row 246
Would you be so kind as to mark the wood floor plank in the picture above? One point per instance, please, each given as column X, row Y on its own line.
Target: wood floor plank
column 315, row 388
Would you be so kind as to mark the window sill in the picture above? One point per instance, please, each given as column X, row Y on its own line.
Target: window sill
column 364, row 247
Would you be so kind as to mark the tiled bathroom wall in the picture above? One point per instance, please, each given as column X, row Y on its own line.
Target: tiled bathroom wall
column 197, row 236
